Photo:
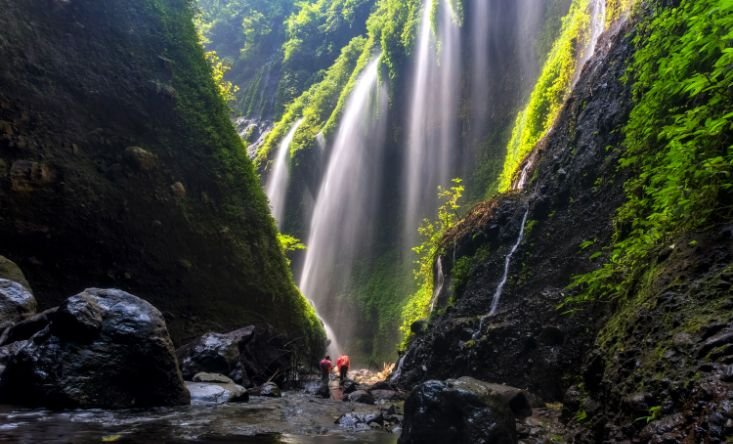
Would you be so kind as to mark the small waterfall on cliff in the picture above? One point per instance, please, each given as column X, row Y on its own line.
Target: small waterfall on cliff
column 439, row 282
column 597, row 11
column 277, row 183
column 500, row 287
column 432, row 131
column 341, row 223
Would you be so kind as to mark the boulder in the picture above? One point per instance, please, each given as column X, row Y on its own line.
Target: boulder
column 250, row 356
column 462, row 410
column 268, row 389
column 387, row 395
column 216, row 393
column 102, row 348
column 360, row 396
column 16, row 302
column 216, row 378
column 9, row 270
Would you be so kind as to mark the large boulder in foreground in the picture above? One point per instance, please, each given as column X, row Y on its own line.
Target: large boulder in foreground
column 463, row 410
column 101, row 348
column 16, row 303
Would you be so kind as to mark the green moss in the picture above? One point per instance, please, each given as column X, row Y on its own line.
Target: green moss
column 678, row 152
column 205, row 121
column 549, row 93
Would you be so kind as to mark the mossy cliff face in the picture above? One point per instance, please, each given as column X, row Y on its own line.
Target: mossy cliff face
column 119, row 168
column 618, row 299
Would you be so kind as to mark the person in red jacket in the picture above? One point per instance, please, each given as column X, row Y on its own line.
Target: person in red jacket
column 343, row 365
column 326, row 367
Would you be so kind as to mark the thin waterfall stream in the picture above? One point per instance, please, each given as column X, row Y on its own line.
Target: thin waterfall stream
column 277, row 183
column 500, row 287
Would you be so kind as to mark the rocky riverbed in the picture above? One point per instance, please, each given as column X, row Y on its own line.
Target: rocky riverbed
column 294, row 418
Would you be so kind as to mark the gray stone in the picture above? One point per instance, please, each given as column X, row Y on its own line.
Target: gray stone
column 214, row 393
column 212, row 377
column 16, row 302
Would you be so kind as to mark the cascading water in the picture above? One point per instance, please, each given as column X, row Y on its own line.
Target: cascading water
column 341, row 223
column 500, row 287
column 432, row 132
column 597, row 11
column 277, row 183
column 440, row 281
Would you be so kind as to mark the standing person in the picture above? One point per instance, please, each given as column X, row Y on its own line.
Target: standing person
column 326, row 367
column 343, row 365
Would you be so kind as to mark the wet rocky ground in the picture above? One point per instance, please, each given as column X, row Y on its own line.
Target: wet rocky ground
column 295, row 418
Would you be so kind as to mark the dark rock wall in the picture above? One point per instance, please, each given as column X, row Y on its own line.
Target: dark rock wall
column 571, row 198
column 119, row 167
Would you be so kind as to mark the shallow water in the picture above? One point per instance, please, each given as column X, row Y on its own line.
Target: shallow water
column 295, row 418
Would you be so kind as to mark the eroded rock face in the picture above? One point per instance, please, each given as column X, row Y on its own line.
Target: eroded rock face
column 101, row 348
column 462, row 410
column 16, row 302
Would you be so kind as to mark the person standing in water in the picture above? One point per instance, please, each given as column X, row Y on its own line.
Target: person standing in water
column 326, row 367
column 343, row 365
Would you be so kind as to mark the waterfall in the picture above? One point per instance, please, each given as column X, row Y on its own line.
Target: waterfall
column 277, row 183
column 432, row 123
column 398, row 371
column 500, row 288
column 597, row 11
column 440, row 281
column 341, row 223
column 507, row 262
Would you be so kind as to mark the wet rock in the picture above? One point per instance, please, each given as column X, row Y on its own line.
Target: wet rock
column 28, row 327
column 249, row 356
column 360, row 396
column 16, row 302
column 79, row 317
column 127, row 360
column 212, row 378
column 215, row 393
column 9, row 270
column 215, row 353
column 141, row 158
column 359, row 421
column 387, row 395
column 349, row 386
column 456, row 411
column 268, row 389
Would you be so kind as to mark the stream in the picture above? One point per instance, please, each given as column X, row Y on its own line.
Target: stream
column 295, row 418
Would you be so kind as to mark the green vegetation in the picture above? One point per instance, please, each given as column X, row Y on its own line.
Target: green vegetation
column 677, row 140
column 432, row 232
column 247, row 35
column 389, row 32
column 549, row 93
column 244, row 208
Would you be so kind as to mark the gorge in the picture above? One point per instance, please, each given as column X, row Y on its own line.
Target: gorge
column 514, row 216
